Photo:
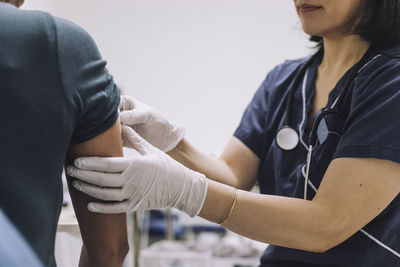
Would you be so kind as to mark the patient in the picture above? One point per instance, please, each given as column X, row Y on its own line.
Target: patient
column 57, row 102
column 12, row 246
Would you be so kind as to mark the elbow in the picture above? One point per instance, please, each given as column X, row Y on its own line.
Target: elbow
column 123, row 251
column 327, row 240
column 321, row 245
column 327, row 233
column 333, row 241
column 243, row 184
column 325, row 246
column 320, row 248
column 110, row 256
column 244, row 187
column 120, row 252
column 115, row 256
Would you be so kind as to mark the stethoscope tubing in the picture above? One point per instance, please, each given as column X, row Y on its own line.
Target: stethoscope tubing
column 334, row 109
column 297, row 79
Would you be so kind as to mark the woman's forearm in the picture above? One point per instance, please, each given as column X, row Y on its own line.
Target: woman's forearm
column 213, row 167
column 282, row 221
column 352, row 193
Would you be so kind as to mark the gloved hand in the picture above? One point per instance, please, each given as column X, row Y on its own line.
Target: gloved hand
column 149, row 180
column 150, row 124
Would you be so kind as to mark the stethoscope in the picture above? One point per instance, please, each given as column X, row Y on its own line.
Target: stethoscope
column 287, row 138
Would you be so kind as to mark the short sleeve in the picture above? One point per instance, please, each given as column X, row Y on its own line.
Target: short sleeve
column 260, row 120
column 372, row 129
column 89, row 88
column 251, row 130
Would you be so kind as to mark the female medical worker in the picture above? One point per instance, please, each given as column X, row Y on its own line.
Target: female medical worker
column 351, row 213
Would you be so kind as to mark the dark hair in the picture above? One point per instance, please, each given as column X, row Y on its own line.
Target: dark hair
column 17, row 3
column 379, row 23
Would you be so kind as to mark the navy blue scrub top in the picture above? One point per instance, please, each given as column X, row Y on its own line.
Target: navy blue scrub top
column 370, row 129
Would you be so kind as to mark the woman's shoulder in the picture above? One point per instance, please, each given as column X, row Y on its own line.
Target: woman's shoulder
column 283, row 74
column 286, row 70
column 386, row 61
column 380, row 78
column 390, row 51
column 290, row 65
column 384, row 64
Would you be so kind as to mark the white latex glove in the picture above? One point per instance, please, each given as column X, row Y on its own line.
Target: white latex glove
column 149, row 180
column 150, row 124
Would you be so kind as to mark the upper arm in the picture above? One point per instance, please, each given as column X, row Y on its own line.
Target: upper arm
column 89, row 88
column 243, row 163
column 93, row 98
column 364, row 177
column 104, row 235
column 354, row 191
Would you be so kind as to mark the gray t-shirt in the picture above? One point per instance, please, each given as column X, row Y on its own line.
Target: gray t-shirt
column 55, row 91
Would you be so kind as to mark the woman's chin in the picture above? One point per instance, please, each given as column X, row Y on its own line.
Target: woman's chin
column 312, row 30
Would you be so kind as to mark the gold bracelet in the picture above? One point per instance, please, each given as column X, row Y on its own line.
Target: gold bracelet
column 233, row 206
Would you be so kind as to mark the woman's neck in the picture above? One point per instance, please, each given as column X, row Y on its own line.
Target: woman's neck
column 342, row 52
column 339, row 55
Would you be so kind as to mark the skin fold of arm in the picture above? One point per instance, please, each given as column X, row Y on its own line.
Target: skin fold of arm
column 352, row 193
column 104, row 235
column 237, row 166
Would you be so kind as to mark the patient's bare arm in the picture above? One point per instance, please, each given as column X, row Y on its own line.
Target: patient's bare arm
column 104, row 236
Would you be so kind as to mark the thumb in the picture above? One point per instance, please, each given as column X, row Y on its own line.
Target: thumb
column 102, row 164
column 135, row 141
column 132, row 117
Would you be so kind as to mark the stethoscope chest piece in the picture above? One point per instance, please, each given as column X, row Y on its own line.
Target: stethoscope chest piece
column 287, row 138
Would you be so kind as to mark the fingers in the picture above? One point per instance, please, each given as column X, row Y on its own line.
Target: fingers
column 120, row 207
column 132, row 117
column 104, row 193
column 115, row 164
column 97, row 178
column 126, row 102
column 133, row 140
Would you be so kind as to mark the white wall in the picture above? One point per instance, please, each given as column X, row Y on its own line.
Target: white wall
column 198, row 62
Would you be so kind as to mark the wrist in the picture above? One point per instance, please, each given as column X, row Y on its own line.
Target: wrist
column 176, row 134
column 193, row 194
column 182, row 153
column 219, row 203
column 225, row 219
column 181, row 147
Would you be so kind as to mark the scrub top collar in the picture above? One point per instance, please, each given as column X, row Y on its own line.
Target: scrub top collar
column 308, row 88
